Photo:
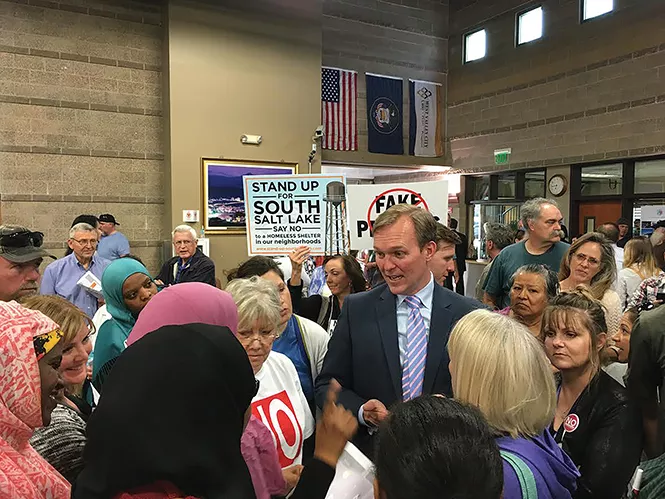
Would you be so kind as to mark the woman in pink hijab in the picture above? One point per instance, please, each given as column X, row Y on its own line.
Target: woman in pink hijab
column 186, row 303
column 196, row 302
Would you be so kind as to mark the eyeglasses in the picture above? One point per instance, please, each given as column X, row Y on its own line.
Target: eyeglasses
column 257, row 385
column 182, row 243
column 86, row 242
column 22, row 239
column 581, row 257
column 262, row 336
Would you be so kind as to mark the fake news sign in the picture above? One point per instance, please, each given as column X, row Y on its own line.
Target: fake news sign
column 286, row 211
column 366, row 202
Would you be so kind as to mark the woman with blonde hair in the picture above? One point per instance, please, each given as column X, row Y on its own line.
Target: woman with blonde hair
column 595, row 422
column 638, row 264
column 61, row 443
column 590, row 262
column 518, row 403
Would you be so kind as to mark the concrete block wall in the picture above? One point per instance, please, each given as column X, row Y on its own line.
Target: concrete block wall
column 403, row 38
column 584, row 92
column 81, row 118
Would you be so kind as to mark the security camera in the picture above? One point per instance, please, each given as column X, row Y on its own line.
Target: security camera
column 318, row 133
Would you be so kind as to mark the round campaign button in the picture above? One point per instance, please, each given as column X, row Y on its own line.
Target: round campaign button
column 571, row 423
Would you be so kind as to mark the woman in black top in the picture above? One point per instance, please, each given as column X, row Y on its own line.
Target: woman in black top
column 594, row 422
column 343, row 277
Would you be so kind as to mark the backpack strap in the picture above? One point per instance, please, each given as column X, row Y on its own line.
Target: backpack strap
column 302, row 342
column 524, row 474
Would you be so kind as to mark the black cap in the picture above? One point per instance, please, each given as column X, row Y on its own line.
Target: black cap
column 20, row 245
column 623, row 221
column 107, row 217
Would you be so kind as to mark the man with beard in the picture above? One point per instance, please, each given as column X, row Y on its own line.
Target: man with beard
column 542, row 221
column 21, row 255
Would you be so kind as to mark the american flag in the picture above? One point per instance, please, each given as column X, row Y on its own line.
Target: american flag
column 339, row 95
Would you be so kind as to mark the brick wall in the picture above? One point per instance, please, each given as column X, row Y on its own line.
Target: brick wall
column 584, row 92
column 406, row 38
column 80, row 118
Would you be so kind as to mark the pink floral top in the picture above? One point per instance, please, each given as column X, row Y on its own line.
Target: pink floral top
column 258, row 449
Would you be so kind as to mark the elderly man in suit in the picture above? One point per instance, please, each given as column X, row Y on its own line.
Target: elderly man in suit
column 390, row 343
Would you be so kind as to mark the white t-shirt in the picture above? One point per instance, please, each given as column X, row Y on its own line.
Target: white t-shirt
column 281, row 405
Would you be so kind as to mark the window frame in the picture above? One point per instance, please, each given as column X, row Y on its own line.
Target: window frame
column 518, row 15
column 600, row 16
column 465, row 36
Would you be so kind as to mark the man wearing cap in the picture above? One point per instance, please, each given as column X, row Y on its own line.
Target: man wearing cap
column 113, row 244
column 21, row 255
column 625, row 234
column 62, row 276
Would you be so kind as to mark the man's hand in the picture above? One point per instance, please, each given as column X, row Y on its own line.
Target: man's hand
column 298, row 257
column 292, row 476
column 336, row 427
column 374, row 412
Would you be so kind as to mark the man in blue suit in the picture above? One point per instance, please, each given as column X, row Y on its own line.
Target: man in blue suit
column 390, row 343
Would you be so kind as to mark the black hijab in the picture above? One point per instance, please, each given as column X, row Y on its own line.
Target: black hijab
column 172, row 410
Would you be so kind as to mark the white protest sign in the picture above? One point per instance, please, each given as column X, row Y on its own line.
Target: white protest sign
column 287, row 211
column 653, row 213
column 366, row 202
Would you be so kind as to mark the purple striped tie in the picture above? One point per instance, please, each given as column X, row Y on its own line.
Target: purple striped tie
column 413, row 371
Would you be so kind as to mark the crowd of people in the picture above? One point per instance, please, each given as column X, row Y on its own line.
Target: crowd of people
column 170, row 387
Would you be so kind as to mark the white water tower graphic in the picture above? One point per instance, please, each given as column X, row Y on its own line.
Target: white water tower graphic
column 336, row 240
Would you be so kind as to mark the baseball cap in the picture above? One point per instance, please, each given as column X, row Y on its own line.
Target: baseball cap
column 107, row 217
column 20, row 244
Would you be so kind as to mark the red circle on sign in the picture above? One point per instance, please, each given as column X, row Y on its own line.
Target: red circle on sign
column 571, row 423
column 402, row 189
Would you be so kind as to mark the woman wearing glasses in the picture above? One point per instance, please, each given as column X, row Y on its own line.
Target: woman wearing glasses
column 590, row 262
column 280, row 402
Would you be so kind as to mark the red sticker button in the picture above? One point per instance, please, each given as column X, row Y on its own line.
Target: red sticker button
column 571, row 423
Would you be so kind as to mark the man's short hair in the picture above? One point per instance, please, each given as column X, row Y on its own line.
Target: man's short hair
column 610, row 230
column 502, row 235
column 531, row 210
column 444, row 235
column 437, row 448
column 184, row 228
column 424, row 222
column 623, row 221
column 81, row 227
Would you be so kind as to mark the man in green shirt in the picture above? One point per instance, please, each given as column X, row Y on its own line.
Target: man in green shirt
column 542, row 221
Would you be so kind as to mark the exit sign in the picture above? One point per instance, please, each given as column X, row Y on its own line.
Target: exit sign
column 502, row 156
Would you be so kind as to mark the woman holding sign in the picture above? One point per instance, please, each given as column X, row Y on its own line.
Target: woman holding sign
column 594, row 422
column 343, row 277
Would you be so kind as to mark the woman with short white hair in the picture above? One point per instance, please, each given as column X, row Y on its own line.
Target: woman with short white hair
column 497, row 365
column 279, row 391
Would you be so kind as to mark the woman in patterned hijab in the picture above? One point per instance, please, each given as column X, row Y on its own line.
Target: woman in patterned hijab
column 30, row 354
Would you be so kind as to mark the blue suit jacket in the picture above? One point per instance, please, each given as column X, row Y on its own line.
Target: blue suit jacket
column 363, row 353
